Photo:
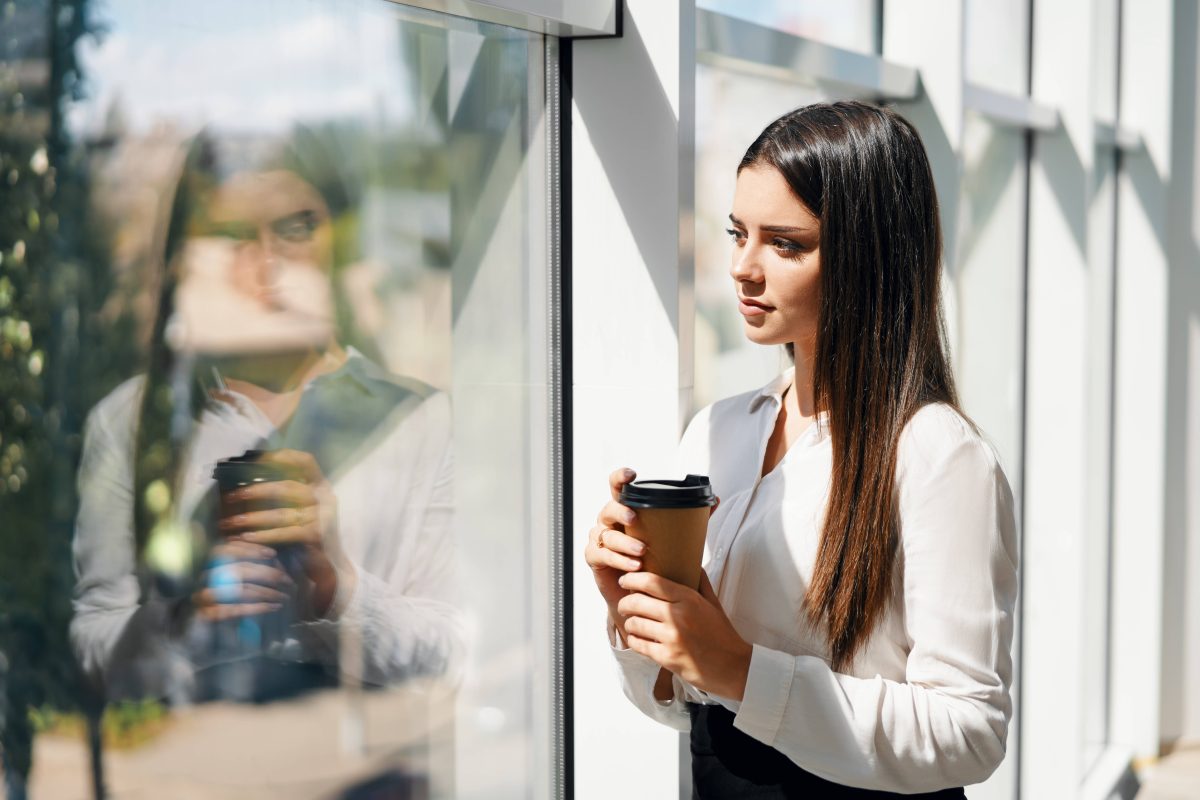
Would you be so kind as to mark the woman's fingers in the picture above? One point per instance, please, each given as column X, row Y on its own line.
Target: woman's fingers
column 615, row 515
column 291, row 534
column 239, row 594
column 293, row 493
column 636, row 604
column 269, row 518
column 654, row 585
column 646, row 628
column 221, row 611
column 621, row 542
column 239, row 550
column 648, row 647
column 611, row 554
column 243, row 572
column 619, row 478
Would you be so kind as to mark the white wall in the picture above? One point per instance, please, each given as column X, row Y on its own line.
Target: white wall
column 632, row 200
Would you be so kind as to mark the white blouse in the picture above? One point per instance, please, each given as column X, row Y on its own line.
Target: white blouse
column 394, row 523
column 925, row 704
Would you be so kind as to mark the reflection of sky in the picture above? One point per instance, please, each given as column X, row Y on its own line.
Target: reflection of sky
column 845, row 23
column 250, row 66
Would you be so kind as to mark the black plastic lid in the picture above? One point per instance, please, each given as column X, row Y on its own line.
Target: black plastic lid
column 246, row 469
column 693, row 491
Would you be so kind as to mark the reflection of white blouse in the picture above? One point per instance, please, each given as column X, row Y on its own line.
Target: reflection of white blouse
column 925, row 704
column 394, row 521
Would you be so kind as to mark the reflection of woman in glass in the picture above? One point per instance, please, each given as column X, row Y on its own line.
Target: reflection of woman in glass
column 352, row 534
column 852, row 637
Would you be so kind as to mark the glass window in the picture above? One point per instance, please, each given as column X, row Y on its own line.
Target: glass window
column 851, row 24
column 731, row 110
column 275, row 314
column 986, row 310
column 997, row 45
column 988, row 275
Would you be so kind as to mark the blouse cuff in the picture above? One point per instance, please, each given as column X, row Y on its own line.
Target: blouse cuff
column 639, row 672
column 768, row 686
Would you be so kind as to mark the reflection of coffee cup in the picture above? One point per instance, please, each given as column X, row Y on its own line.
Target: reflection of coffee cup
column 672, row 520
column 245, row 470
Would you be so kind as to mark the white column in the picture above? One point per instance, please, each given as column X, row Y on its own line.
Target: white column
column 632, row 174
column 1141, row 380
column 1056, row 421
column 1181, row 552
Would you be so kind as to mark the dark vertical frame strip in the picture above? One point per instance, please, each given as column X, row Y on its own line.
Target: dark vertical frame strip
column 563, row 379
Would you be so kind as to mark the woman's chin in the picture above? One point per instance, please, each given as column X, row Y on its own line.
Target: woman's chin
column 762, row 334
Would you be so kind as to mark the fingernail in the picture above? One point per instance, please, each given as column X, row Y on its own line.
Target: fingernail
column 621, row 581
column 634, row 565
column 629, row 474
column 628, row 517
column 637, row 547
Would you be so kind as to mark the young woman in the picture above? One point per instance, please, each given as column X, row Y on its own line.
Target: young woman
column 852, row 636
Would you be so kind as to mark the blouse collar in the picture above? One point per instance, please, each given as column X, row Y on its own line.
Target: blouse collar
column 775, row 391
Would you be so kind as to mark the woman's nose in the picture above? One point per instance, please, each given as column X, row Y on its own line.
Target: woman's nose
column 746, row 266
column 256, row 269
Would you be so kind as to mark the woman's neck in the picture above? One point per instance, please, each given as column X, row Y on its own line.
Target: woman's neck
column 275, row 384
column 802, row 398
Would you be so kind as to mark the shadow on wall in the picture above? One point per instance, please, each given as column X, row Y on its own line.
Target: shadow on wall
column 626, row 161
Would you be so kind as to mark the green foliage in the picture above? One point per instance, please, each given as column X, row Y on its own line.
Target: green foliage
column 125, row 725
column 56, row 356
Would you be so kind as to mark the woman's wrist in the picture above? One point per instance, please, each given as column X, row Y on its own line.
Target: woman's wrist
column 617, row 624
column 740, row 671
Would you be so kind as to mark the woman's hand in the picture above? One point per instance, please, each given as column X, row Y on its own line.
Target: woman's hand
column 685, row 632
column 611, row 552
column 305, row 516
column 240, row 580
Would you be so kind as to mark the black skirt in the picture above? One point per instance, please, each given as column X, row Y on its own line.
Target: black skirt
column 727, row 763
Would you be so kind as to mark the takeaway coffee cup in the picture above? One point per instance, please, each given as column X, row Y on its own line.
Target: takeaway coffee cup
column 672, row 520
column 244, row 470
column 235, row 473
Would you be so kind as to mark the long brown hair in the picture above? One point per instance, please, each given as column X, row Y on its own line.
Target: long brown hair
column 881, row 351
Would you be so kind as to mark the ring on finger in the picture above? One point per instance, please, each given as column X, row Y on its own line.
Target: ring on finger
column 600, row 540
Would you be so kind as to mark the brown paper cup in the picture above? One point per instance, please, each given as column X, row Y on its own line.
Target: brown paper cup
column 672, row 519
column 674, row 539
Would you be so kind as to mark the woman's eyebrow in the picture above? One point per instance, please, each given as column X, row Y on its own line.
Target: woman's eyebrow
column 772, row 228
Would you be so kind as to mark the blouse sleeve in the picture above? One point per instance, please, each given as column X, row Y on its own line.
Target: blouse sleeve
column 403, row 620
column 946, row 725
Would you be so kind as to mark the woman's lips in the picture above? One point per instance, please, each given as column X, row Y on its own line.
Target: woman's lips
column 753, row 308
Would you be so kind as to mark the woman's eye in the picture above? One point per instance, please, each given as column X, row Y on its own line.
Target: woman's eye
column 296, row 227
column 786, row 246
column 735, row 234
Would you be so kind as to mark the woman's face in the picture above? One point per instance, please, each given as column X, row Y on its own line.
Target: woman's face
column 776, row 260
column 257, row 268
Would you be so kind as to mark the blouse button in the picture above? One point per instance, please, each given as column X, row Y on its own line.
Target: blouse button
column 720, row 552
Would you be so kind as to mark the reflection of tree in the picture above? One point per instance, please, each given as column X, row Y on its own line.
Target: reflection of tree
column 55, row 360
